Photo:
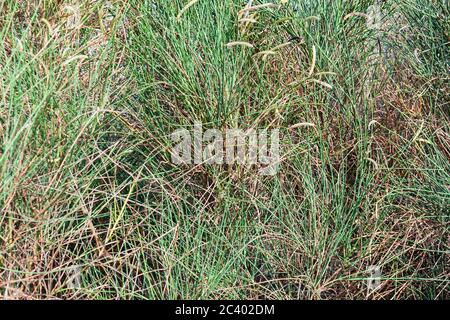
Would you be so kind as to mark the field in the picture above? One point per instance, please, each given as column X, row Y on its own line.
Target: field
column 92, row 205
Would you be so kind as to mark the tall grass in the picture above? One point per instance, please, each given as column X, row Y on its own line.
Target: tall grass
column 93, row 207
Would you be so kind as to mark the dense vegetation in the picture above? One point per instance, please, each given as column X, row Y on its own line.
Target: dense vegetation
column 93, row 207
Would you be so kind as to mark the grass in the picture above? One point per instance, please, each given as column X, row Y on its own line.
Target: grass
column 92, row 206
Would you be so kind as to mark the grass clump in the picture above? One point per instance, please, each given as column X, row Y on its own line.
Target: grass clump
column 93, row 207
